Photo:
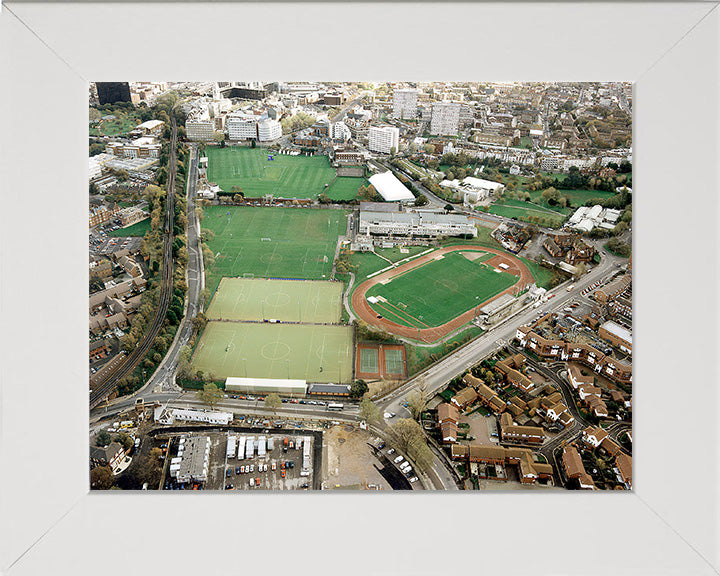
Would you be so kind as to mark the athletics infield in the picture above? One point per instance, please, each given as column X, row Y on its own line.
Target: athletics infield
column 431, row 296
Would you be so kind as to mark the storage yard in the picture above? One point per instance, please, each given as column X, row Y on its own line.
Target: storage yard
column 243, row 459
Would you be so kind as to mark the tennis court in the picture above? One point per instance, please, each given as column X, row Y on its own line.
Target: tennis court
column 284, row 176
column 438, row 291
column 314, row 353
column 368, row 360
column 285, row 300
column 272, row 242
column 394, row 361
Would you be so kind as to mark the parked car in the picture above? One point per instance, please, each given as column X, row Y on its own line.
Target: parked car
column 282, row 473
column 228, row 472
column 391, row 451
column 242, row 469
column 413, row 479
column 237, row 470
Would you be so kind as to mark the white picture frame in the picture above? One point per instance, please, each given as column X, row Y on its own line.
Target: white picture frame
column 51, row 524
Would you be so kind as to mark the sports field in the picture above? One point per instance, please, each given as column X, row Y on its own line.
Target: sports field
column 307, row 352
column 285, row 300
column 345, row 188
column 284, row 176
column 438, row 291
column 137, row 229
column 272, row 242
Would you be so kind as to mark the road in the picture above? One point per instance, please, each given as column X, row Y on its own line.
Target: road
column 467, row 356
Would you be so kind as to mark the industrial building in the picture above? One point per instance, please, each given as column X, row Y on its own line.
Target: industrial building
column 164, row 415
column 191, row 463
column 264, row 385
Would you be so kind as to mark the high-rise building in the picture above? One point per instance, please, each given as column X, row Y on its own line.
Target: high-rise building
column 382, row 139
column 445, row 118
column 405, row 103
column 111, row 92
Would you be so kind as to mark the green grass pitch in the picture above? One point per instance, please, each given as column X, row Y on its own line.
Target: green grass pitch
column 285, row 300
column 284, row 176
column 301, row 242
column 308, row 352
column 137, row 229
column 438, row 291
column 345, row 187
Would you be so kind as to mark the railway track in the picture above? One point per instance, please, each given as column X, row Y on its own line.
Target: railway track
column 107, row 385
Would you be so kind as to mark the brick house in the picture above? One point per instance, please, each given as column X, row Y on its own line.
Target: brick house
column 526, row 435
column 464, row 397
column 448, row 418
column 574, row 469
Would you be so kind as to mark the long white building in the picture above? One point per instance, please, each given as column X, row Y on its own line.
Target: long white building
column 200, row 129
column 268, row 130
column 445, row 118
column 418, row 224
column 242, row 127
column 405, row 103
column 383, row 138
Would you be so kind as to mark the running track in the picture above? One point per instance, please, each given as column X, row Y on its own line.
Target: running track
column 369, row 316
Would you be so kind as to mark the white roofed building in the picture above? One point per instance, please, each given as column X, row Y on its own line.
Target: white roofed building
column 279, row 386
column 390, row 188
column 415, row 224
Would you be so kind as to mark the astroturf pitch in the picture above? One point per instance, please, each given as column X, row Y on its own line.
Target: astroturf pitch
column 298, row 351
column 258, row 299
column 438, row 291
column 283, row 176
column 272, row 242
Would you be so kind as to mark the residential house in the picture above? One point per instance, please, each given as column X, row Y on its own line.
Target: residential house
column 574, row 468
column 464, row 397
column 111, row 455
column 509, row 368
column 593, row 436
column 623, row 470
column 448, row 419
column 512, row 434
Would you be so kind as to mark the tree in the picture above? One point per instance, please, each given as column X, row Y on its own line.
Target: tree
column 358, row 388
column 421, row 200
column 449, row 208
column 369, row 411
column 580, row 270
column 101, row 478
column 620, row 227
column 102, row 438
column 156, row 454
column 407, row 435
column 393, row 151
column 272, row 402
column 416, row 403
column 429, row 148
column 551, row 196
column 125, row 441
column 210, row 394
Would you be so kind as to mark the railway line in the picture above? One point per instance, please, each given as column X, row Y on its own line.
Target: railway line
column 107, row 385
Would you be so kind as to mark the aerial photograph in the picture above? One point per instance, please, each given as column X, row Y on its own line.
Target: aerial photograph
column 310, row 285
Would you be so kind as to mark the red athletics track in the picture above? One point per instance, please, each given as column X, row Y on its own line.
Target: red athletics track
column 369, row 316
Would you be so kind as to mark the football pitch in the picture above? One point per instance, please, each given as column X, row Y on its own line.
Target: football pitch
column 248, row 350
column 285, row 300
column 284, row 176
column 272, row 242
column 438, row 291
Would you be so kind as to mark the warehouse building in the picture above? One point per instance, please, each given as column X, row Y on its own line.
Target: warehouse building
column 194, row 462
column 266, row 385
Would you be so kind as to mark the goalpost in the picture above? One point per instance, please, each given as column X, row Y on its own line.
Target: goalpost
column 248, row 275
